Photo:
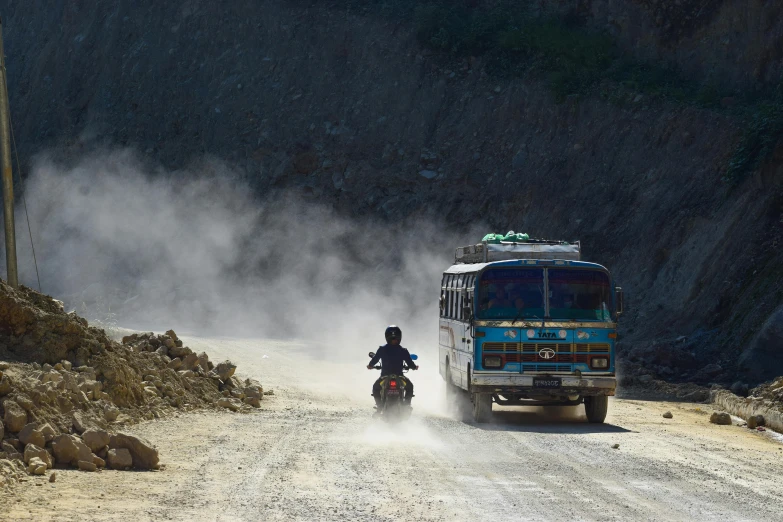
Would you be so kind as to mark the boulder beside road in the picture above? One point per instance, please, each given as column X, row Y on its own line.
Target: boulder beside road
column 721, row 418
column 120, row 459
column 144, row 454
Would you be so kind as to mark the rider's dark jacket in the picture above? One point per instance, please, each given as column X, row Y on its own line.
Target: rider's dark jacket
column 392, row 357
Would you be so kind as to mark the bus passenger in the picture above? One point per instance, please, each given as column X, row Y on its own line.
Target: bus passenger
column 500, row 300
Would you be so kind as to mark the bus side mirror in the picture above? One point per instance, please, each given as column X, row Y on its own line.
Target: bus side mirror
column 619, row 300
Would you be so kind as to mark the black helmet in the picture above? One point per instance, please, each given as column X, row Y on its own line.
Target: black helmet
column 393, row 332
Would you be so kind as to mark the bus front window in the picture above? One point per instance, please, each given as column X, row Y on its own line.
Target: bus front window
column 506, row 293
column 579, row 295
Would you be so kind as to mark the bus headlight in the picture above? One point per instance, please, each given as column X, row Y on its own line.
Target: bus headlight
column 599, row 363
column 493, row 362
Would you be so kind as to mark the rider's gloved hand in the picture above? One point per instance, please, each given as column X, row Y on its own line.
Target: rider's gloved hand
column 369, row 367
column 415, row 367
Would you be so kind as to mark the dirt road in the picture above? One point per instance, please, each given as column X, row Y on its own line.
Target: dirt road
column 313, row 452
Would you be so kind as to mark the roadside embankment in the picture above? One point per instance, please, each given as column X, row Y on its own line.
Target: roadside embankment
column 765, row 401
column 67, row 389
column 762, row 408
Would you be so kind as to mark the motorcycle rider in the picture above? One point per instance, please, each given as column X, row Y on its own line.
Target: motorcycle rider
column 392, row 356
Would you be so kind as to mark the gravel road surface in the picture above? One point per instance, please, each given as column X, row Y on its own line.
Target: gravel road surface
column 314, row 452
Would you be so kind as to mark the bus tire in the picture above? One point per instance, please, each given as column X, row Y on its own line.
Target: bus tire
column 596, row 408
column 482, row 407
column 451, row 389
column 454, row 395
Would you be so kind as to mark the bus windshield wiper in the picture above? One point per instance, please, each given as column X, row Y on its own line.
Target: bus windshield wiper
column 543, row 321
column 519, row 316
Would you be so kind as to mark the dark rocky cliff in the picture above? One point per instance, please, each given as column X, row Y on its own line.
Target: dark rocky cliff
column 729, row 41
column 346, row 107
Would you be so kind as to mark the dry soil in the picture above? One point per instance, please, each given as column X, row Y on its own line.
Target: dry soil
column 314, row 452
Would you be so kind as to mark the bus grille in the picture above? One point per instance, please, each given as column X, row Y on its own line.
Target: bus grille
column 592, row 348
column 529, row 352
column 546, row 367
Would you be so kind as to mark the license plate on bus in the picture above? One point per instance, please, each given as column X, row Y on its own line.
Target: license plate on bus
column 547, row 382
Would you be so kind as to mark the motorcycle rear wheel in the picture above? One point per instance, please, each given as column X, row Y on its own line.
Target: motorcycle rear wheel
column 392, row 413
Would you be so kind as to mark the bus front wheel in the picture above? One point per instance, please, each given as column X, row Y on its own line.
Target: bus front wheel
column 596, row 408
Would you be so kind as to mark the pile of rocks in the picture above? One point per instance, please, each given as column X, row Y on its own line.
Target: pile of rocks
column 762, row 408
column 189, row 365
column 771, row 391
column 38, row 448
column 66, row 389
column 647, row 386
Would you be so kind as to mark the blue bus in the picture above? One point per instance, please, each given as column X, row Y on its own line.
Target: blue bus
column 528, row 324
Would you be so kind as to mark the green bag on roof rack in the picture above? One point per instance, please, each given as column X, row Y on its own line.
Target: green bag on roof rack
column 493, row 238
column 511, row 237
column 516, row 238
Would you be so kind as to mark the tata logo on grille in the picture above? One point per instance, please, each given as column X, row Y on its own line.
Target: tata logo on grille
column 546, row 353
column 547, row 335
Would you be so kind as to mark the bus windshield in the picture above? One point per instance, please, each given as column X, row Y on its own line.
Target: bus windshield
column 518, row 293
column 507, row 293
column 579, row 294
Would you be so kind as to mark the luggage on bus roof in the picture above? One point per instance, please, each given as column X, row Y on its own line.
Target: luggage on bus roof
column 510, row 237
column 497, row 247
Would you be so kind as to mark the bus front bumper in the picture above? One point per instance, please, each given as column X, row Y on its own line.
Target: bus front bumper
column 541, row 384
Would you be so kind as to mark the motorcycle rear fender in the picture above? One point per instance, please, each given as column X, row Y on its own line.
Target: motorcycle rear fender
column 402, row 383
column 387, row 378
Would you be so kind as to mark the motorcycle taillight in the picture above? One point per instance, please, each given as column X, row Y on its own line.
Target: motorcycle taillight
column 393, row 384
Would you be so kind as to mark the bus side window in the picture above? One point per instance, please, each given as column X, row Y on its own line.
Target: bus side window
column 466, row 293
column 461, row 301
column 448, row 295
column 457, row 297
column 452, row 303
column 468, row 290
column 454, row 297
column 443, row 294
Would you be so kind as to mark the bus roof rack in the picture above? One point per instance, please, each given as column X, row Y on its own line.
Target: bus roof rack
column 531, row 249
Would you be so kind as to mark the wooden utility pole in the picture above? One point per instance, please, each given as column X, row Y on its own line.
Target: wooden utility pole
column 8, row 178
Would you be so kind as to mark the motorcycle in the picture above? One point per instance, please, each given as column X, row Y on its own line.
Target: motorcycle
column 392, row 408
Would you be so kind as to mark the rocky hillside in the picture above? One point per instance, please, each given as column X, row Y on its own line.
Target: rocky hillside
column 65, row 388
column 377, row 109
column 724, row 41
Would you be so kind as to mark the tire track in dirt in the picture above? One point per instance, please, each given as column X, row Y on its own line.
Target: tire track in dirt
column 314, row 452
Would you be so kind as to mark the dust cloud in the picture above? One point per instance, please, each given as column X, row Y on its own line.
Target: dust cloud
column 412, row 433
column 123, row 242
